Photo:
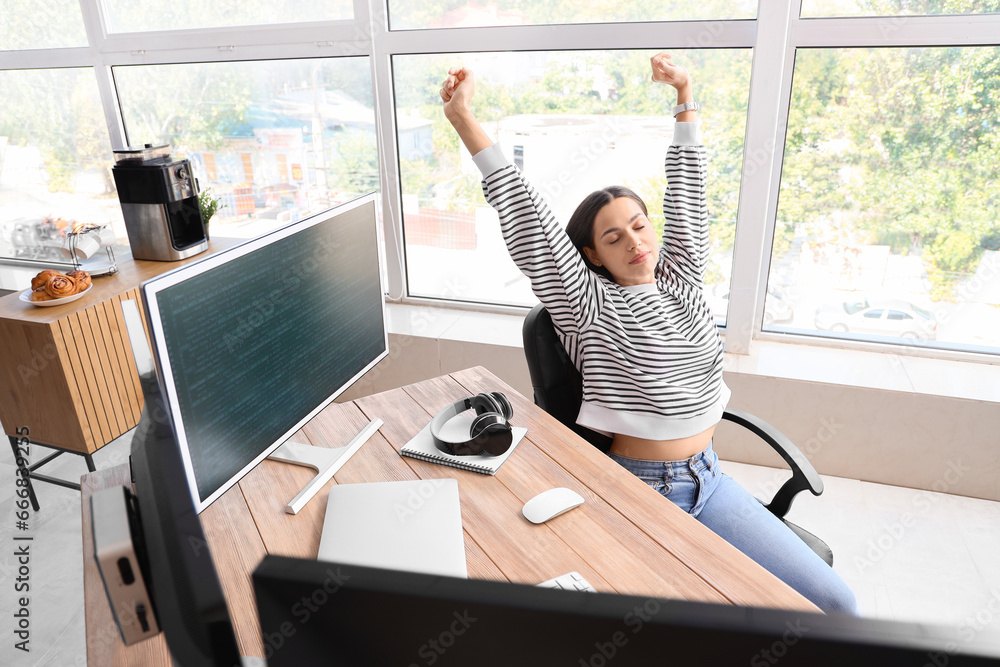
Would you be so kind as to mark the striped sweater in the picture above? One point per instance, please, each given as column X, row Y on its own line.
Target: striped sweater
column 650, row 355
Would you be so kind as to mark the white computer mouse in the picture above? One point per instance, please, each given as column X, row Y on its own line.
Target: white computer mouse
column 551, row 503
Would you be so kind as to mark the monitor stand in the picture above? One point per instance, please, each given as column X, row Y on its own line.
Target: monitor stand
column 324, row 460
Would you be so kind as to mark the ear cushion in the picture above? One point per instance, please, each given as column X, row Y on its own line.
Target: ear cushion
column 490, row 435
column 506, row 409
column 483, row 403
column 482, row 423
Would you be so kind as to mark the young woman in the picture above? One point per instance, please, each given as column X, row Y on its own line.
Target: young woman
column 631, row 312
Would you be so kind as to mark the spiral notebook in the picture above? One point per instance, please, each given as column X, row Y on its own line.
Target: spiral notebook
column 422, row 446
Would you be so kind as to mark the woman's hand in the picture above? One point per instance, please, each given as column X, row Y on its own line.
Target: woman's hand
column 665, row 71
column 456, row 92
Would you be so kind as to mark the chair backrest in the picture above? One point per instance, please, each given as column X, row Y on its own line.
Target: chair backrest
column 556, row 383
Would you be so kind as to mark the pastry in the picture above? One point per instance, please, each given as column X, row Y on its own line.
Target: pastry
column 40, row 295
column 38, row 282
column 59, row 286
column 82, row 279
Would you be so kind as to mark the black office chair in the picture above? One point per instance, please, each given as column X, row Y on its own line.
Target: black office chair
column 558, row 389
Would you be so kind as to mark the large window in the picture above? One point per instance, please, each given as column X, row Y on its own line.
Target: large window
column 55, row 163
column 853, row 151
column 274, row 140
column 406, row 15
column 141, row 15
column 574, row 123
column 889, row 213
column 867, row 128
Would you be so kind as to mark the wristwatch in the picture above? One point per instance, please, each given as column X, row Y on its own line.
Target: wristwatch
column 687, row 106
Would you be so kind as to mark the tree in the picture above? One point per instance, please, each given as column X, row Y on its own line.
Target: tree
column 896, row 141
column 59, row 112
column 355, row 166
column 26, row 24
column 598, row 83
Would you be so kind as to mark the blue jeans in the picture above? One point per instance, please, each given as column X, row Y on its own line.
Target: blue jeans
column 698, row 487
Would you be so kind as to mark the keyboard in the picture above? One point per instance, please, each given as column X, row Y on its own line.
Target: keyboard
column 571, row 581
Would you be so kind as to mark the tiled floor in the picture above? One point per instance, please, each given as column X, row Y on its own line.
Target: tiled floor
column 909, row 555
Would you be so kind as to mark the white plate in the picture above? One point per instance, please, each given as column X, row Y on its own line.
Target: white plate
column 26, row 297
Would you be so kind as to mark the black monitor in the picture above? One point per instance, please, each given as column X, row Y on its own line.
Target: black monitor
column 253, row 341
column 188, row 603
column 250, row 343
column 315, row 612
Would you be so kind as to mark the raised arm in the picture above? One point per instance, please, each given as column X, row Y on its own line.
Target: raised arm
column 456, row 92
column 665, row 71
column 685, row 247
column 538, row 245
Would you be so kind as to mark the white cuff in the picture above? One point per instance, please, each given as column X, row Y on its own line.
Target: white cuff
column 687, row 134
column 492, row 159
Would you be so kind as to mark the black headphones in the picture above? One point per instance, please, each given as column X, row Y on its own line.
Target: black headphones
column 489, row 433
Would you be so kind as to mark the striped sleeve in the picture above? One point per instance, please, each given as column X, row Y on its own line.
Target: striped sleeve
column 542, row 250
column 685, row 246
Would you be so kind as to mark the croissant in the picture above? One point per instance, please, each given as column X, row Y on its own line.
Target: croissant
column 59, row 286
column 82, row 279
column 39, row 281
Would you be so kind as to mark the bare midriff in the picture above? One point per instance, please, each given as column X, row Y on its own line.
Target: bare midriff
column 661, row 450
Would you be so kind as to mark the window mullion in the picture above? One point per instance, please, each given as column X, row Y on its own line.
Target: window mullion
column 767, row 117
column 385, row 119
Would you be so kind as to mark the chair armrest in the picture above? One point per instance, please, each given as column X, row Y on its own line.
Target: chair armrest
column 804, row 476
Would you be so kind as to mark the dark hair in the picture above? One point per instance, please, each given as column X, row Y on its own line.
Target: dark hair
column 581, row 224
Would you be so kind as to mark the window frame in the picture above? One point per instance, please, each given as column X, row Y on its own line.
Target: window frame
column 775, row 37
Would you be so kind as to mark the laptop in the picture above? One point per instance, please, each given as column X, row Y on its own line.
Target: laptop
column 415, row 526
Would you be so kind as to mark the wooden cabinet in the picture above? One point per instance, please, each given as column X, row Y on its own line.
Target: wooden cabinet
column 67, row 372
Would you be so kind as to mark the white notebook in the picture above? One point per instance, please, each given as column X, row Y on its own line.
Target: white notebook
column 414, row 526
column 422, row 446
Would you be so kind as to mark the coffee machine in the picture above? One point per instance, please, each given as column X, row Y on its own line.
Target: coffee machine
column 159, row 198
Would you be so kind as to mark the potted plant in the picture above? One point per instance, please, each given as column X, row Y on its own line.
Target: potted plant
column 208, row 205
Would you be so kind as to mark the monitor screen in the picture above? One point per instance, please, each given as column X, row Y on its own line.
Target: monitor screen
column 316, row 612
column 253, row 341
column 170, row 545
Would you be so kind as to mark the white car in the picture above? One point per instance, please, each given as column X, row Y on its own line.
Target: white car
column 883, row 318
column 776, row 307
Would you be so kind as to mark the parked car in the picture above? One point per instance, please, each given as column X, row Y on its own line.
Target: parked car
column 884, row 318
column 776, row 307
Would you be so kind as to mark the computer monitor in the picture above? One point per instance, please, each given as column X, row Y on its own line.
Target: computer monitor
column 170, row 547
column 253, row 341
column 250, row 343
column 315, row 612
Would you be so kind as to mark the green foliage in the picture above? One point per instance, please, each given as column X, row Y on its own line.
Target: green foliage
column 896, row 7
column 172, row 15
column 418, row 178
column 185, row 105
column 27, row 24
column 586, row 83
column 355, row 167
column 207, row 204
column 951, row 256
column 407, row 15
column 991, row 241
column 898, row 145
column 59, row 112
column 899, row 242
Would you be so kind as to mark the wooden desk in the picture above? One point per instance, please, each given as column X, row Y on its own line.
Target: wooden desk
column 625, row 538
column 67, row 372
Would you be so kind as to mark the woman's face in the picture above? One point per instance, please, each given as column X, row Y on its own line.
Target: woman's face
column 624, row 242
